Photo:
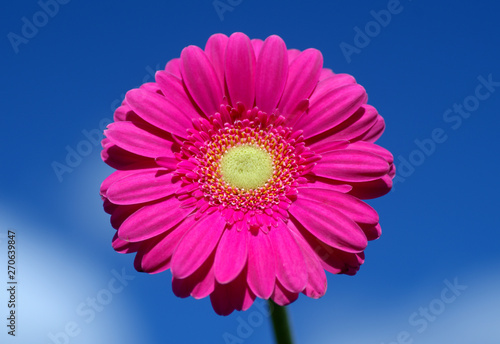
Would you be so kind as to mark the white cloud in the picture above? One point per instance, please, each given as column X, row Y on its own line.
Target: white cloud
column 56, row 287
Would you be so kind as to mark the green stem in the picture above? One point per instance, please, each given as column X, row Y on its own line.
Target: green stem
column 281, row 326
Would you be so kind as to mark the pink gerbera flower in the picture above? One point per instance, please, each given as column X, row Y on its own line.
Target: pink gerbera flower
column 241, row 170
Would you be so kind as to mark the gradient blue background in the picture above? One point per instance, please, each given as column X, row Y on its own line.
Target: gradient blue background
column 440, row 224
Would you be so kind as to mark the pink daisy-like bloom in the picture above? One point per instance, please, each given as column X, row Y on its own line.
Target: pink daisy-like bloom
column 241, row 169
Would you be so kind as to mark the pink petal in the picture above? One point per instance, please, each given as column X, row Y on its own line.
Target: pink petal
column 144, row 246
column 282, row 296
column 197, row 245
column 151, row 87
column 199, row 285
column 372, row 232
column 158, row 257
column 159, row 111
column 356, row 125
column 121, row 213
column 373, row 148
column 331, row 109
column 201, row 79
column 108, row 206
column 375, row 132
column 331, row 259
column 325, row 73
column 271, row 73
column 175, row 93
column 330, row 83
column 316, row 277
column 372, row 189
column 291, row 268
column 117, row 175
column 248, row 300
column 121, row 159
column 216, row 50
column 329, row 185
column 328, row 144
column 261, row 265
column 137, row 261
column 240, row 70
column 392, row 171
column 238, row 292
column 329, row 225
column 152, row 220
column 142, row 187
column 113, row 177
column 350, row 206
column 351, row 165
column 257, row 45
column 340, row 262
column 221, row 303
column 122, row 246
column 121, row 113
column 138, row 141
column 231, row 255
column 168, row 163
column 182, row 287
column 292, row 55
column 303, row 75
column 174, row 67
column 205, row 286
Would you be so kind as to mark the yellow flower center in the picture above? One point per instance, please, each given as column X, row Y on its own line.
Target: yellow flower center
column 246, row 167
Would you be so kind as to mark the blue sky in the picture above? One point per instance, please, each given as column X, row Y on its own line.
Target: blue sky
column 431, row 70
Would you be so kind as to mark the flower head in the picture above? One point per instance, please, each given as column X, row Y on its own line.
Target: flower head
column 241, row 169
